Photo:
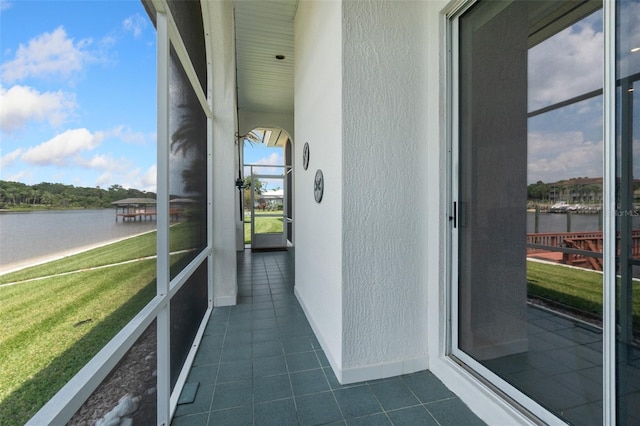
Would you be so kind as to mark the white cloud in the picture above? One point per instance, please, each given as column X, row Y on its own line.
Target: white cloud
column 129, row 178
column 562, row 155
column 125, row 134
column 568, row 64
column 62, row 149
column 104, row 180
column 48, row 54
column 149, row 179
column 5, row 5
column 24, row 176
column 135, row 24
column 274, row 159
column 103, row 162
column 136, row 178
column 21, row 104
column 10, row 158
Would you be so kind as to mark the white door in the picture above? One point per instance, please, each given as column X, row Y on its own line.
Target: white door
column 269, row 209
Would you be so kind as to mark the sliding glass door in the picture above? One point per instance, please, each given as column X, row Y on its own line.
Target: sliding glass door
column 529, row 194
column 627, row 138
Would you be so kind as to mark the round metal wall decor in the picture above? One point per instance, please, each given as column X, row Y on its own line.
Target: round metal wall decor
column 305, row 155
column 318, row 186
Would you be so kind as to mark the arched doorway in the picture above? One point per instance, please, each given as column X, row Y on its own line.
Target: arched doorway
column 267, row 195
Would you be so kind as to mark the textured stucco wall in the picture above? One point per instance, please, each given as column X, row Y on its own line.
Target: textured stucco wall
column 318, row 120
column 384, row 188
column 225, row 215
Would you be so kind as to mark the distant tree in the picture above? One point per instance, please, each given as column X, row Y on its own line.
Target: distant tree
column 259, row 188
column 52, row 195
column 538, row 191
column 258, row 185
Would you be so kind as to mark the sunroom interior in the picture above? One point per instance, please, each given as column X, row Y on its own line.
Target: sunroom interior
column 402, row 294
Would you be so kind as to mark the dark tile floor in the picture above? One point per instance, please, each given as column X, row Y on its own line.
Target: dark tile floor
column 562, row 369
column 259, row 363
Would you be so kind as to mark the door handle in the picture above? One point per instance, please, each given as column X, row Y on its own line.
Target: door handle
column 454, row 217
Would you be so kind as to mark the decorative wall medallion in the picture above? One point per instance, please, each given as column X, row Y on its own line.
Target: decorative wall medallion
column 318, row 186
column 305, row 155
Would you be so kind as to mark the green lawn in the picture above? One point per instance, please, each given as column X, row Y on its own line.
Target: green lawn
column 180, row 237
column 263, row 225
column 579, row 288
column 52, row 327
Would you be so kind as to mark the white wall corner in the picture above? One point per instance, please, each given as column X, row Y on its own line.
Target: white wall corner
column 224, row 301
column 384, row 370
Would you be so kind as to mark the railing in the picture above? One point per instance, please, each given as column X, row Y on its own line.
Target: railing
column 582, row 249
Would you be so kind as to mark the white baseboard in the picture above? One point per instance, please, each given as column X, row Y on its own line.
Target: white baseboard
column 224, row 301
column 367, row 372
column 384, row 370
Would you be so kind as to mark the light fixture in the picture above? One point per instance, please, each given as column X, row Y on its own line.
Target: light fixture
column 635, row 49
column 280, row 57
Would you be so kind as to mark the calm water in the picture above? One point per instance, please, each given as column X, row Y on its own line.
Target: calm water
column 30, row 237
column 557, row 222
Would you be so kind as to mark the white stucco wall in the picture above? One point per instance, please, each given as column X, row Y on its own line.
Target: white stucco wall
column 384, row 189
column 360, row 254
column 225, row 203
column 318, row 121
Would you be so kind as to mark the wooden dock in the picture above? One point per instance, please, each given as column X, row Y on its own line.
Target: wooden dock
column 139, row 209
column 174, row 215
column 582, row 249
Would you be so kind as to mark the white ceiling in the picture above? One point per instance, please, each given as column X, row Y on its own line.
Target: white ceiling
column 264, row 29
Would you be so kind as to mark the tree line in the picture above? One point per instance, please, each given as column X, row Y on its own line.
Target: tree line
column 570, row 188
column 45, row 195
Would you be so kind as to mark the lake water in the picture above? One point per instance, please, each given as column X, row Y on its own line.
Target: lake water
column 557, row 222
column 27, row 238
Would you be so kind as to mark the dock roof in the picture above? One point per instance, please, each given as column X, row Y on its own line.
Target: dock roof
column 130, row 201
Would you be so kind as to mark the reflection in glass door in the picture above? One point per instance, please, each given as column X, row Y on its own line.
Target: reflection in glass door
column 628, row 211
column 528, row 193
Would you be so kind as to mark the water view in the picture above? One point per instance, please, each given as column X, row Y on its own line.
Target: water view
column 555, row 222
column 27, row 238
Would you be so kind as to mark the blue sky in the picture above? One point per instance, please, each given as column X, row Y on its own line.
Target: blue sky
column 78, row 94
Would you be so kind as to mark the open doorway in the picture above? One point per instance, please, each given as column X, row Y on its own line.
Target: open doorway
column 267, row 193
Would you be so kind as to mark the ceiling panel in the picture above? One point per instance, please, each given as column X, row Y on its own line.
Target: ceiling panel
column 264, row 29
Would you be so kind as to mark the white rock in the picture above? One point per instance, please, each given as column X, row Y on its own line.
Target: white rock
column 127, row 405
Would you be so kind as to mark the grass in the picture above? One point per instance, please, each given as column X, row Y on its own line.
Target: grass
column 577, row 288
column 264, row 225
column 52, row 327
column 181, row 237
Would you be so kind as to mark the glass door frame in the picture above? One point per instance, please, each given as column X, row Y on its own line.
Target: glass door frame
column 286, row 170
column 452, row 138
